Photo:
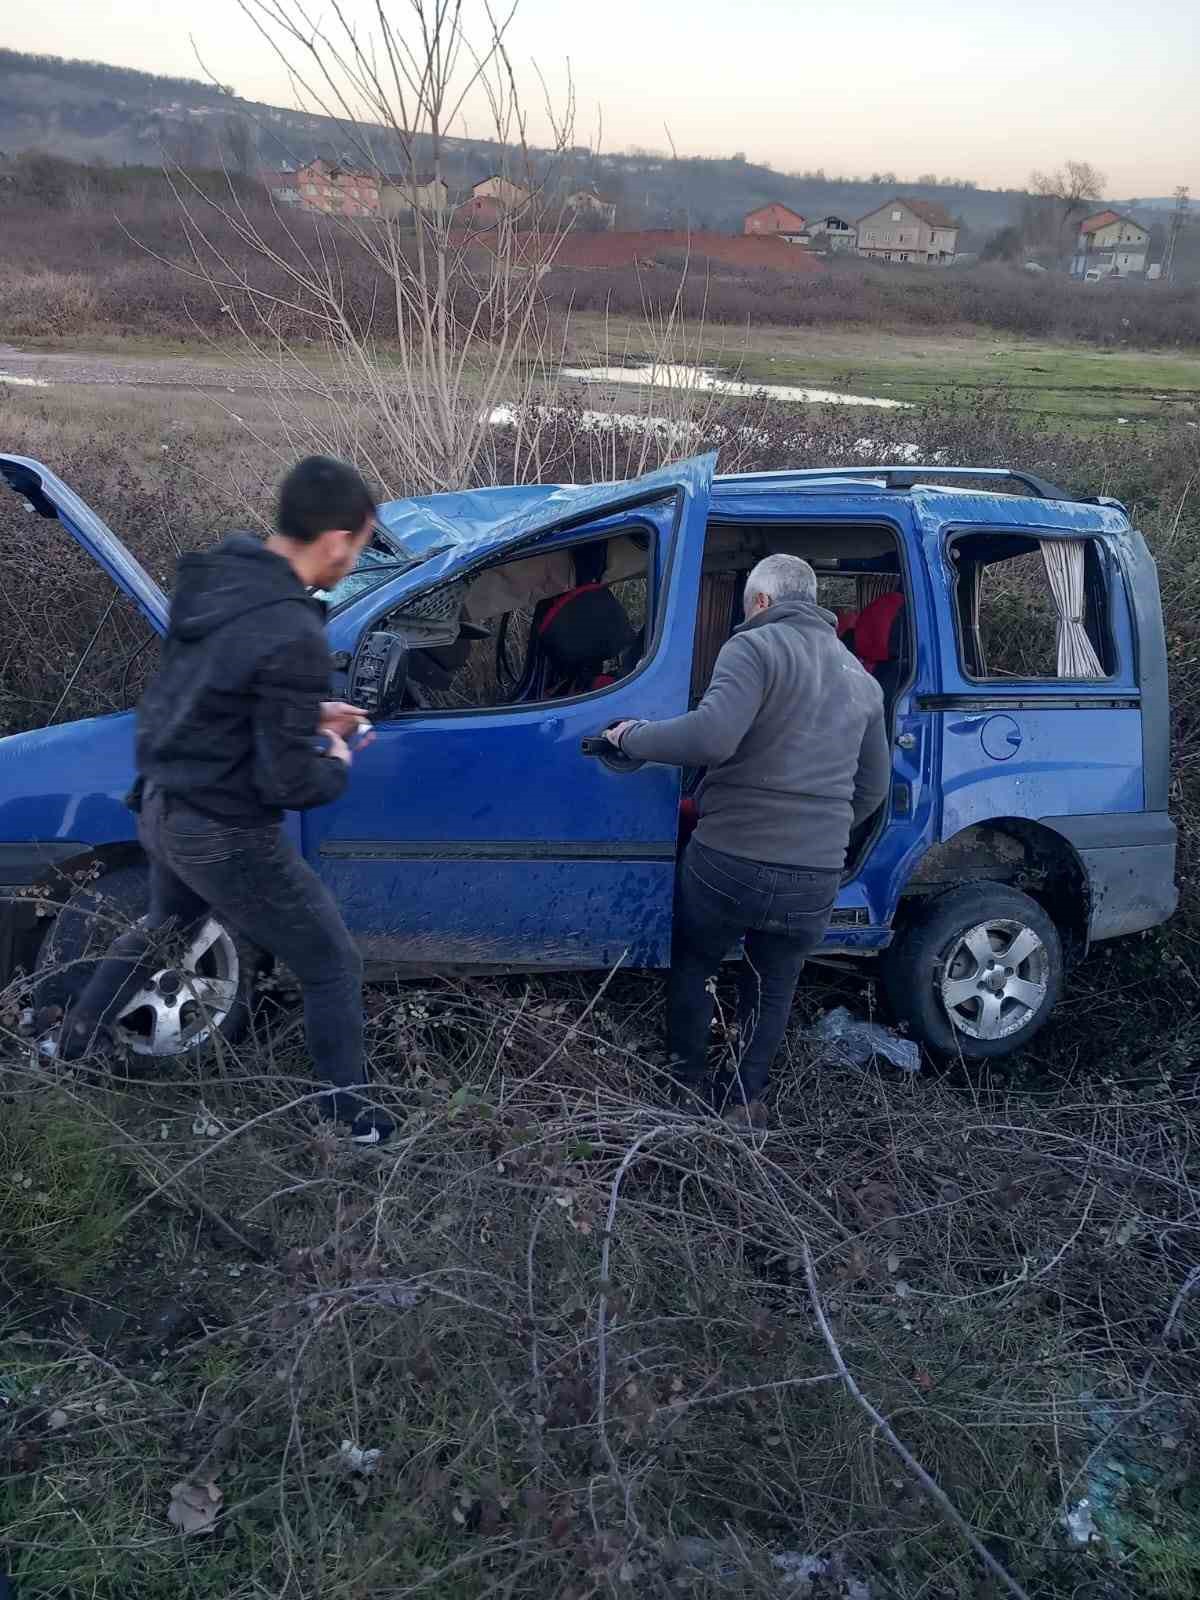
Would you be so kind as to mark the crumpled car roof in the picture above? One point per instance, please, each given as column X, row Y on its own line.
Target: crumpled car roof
column 476, row 519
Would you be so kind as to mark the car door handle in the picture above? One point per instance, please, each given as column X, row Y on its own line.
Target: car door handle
column 608, row 755
column 906, row 741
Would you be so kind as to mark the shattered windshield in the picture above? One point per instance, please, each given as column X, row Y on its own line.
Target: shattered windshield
column 382, row 559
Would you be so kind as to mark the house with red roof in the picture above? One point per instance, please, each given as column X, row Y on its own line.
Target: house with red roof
column 778, row 221
column 1110, row 245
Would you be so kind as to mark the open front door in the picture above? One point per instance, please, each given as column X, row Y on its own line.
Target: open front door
column 48, row 496
column 484, row 836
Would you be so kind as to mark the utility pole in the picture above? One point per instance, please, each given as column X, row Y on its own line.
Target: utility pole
column 1179, row 219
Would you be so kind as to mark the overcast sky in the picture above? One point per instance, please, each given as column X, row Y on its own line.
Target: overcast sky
column 961, row 87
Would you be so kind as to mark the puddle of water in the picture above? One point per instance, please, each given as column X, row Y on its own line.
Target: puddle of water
column 667, row 375
column 27, row 383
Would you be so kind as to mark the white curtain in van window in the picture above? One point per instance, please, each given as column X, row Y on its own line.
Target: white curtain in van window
column 977, row 656
column 1064, row 561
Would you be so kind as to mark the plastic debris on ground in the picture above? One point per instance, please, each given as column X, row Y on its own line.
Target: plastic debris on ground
column 723, row 1559
column 1132, row 1465
column 856, row 1043
column 355, row 1459
column 1080, row 1523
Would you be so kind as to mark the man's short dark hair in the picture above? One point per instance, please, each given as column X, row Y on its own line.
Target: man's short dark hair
column 321, row 493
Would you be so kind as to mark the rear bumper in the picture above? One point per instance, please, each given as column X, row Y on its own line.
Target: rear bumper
column 1130, row 865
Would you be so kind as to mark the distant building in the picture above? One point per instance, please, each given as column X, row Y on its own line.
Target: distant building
column 402, row 193
column 327, row 187
column 492, row 198
column 776, row 219
column 282, row 187
column 1111, row 245
column 830, row 236
column 588, row 205
column 908, row 230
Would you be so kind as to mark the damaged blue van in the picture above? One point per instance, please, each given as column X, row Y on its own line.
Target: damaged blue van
column 1016, row 630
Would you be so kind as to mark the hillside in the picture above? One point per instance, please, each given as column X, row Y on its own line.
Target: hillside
column 91, row 111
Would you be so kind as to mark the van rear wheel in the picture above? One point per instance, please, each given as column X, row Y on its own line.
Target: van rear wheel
column 976, row 973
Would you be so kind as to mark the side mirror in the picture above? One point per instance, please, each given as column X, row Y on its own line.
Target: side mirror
column 379, row 675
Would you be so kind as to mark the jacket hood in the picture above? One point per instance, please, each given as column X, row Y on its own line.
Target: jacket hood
column 795, row 613
column 239, row 576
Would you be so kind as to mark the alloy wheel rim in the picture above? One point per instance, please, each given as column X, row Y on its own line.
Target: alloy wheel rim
column 995, row 978
column 180, row 1006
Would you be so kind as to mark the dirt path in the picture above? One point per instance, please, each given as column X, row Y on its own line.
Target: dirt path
column 39, row 369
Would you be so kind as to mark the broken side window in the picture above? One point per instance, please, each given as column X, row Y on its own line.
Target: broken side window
column 1031, row 609
column 562, row 621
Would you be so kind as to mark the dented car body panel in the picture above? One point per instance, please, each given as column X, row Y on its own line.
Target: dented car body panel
column 485, row 838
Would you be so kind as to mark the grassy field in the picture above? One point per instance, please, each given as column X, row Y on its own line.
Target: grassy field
column 1061, row 383
column 1044, row 384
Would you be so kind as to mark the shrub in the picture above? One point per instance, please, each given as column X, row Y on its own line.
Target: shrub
column 46, row 303
column 132, row 238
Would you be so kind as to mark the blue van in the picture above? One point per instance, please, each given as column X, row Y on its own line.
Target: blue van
column 489, row 829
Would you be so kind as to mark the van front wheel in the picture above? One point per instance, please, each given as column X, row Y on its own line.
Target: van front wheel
column 976, row 973
column 206, row 988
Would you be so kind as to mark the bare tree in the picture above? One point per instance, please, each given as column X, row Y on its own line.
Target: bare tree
column 456, row 325
column 1071, row 188
column 414, row 336
column 239, row 146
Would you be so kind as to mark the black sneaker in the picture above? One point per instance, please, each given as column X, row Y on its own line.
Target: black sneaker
column 367, row 1123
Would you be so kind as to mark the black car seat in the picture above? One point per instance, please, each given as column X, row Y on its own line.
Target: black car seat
column 573, row 636
column 579, row 633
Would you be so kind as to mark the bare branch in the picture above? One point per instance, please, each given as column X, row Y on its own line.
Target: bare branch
column 935, row 1492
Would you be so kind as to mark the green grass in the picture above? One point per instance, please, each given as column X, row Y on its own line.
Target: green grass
column 61, row 1190
column 1040, row 380
column 1059, row 382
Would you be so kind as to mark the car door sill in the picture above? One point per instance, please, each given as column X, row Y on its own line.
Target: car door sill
column 498, row 850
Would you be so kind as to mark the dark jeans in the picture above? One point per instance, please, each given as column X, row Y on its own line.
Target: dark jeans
column 255, row 883
column 782, row 912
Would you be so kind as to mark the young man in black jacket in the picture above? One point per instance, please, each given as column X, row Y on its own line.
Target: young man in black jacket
column 234, row 731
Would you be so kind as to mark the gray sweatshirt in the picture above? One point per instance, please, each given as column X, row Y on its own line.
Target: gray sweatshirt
column 791, row 731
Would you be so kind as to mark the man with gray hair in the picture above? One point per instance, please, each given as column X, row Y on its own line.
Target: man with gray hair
column 791, row 732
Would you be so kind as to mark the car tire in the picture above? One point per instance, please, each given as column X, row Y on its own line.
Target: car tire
column 171, row 1020
column 976, row 973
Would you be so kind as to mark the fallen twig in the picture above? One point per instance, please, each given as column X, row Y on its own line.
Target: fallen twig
column 1185, row 1289
column 937, row 1494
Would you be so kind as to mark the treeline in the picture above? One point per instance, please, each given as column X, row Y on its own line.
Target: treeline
column 100, row 76
column 35, row 180
column 863, row 294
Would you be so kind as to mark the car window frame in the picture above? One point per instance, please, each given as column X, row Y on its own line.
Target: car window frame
column 1111, row 570
column 567, row 539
